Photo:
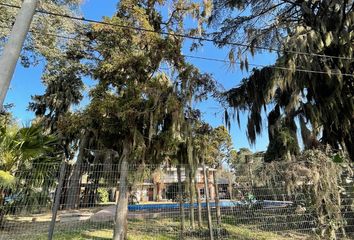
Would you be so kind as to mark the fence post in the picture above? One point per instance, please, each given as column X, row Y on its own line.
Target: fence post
column 57, row 200
column 206, row 187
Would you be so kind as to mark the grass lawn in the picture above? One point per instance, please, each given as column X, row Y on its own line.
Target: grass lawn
column 152, row 229
column 103, row 234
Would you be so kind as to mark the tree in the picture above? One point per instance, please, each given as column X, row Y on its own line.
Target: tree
column 203, row 132
column 143, row 109
column 318, row 28
column 42, row 41
column 126, row 118
column 54, row 40
column 20, row 150
column 132, row 101
column 63, row 80
column 59, row 42
column 218, row 147
column 48, row 33
column 246, row 166
column 205, row 142
column 158, row 179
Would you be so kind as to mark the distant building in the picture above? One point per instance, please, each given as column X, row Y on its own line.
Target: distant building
column 165, row 187
column 161, row 187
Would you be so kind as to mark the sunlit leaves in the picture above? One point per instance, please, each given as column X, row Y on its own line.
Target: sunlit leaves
column 6, row 179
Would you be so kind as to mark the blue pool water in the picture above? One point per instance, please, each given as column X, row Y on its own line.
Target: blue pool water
column 264, row 203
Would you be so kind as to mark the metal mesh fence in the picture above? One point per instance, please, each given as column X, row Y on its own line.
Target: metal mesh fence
column 165, row 202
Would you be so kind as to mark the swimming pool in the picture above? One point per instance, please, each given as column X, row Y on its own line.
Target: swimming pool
column 157, row 206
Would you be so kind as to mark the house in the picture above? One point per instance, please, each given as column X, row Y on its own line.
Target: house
column 161, row 186
column 165, row 186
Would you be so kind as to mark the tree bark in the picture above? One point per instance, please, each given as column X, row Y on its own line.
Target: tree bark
column 191, row 199
column 348, row 142
column 217, row 200
column 73, row 196
column 180, row 198
column 206, row 187
column 2, row 205
column 230, row 188
column 199, row 202
column 157, row 196
column 121, row 216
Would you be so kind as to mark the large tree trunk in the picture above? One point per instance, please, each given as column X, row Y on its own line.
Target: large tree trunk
column 73, row 194
column 199, row 202
column 121, row 216
column 191, row 198
column 348, row 141
column 90, row 194
column 180, row 198
column 206, row 187
column 217, row 200
column 157, row 197
column 230, row 188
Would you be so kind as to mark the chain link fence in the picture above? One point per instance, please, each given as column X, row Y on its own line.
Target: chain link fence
column 78, row 201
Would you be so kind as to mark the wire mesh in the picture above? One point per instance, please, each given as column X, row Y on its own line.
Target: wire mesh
column 160, row 206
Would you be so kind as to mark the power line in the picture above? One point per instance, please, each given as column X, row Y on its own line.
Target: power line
column 181, row 35
column 220, row 60
column 53, row 35
column 296, row 69
column 273, row 67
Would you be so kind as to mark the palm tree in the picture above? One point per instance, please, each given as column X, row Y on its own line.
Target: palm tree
column 20, row 150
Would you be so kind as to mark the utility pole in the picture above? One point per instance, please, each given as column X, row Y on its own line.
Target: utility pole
column 14, row 45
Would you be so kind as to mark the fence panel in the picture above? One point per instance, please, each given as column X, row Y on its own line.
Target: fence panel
column 159, row 208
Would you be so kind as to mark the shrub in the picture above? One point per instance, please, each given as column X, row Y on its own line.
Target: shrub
column 103, row 195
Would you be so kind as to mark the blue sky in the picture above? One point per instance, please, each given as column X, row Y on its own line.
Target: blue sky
column 27, row 81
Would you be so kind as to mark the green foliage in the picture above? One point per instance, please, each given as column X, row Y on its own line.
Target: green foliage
column 134, row 101
column 62, row 57
column 217, row 146
column 20, row 150
column 325, row 101
column 337, row 158
column 41, row 42
column 6, row 179
column 283, row 145
column 103, row 195
column 22, row 145
column 246, row 166
column 62, row 77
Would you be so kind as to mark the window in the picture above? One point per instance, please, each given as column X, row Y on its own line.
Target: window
column 201, row 190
